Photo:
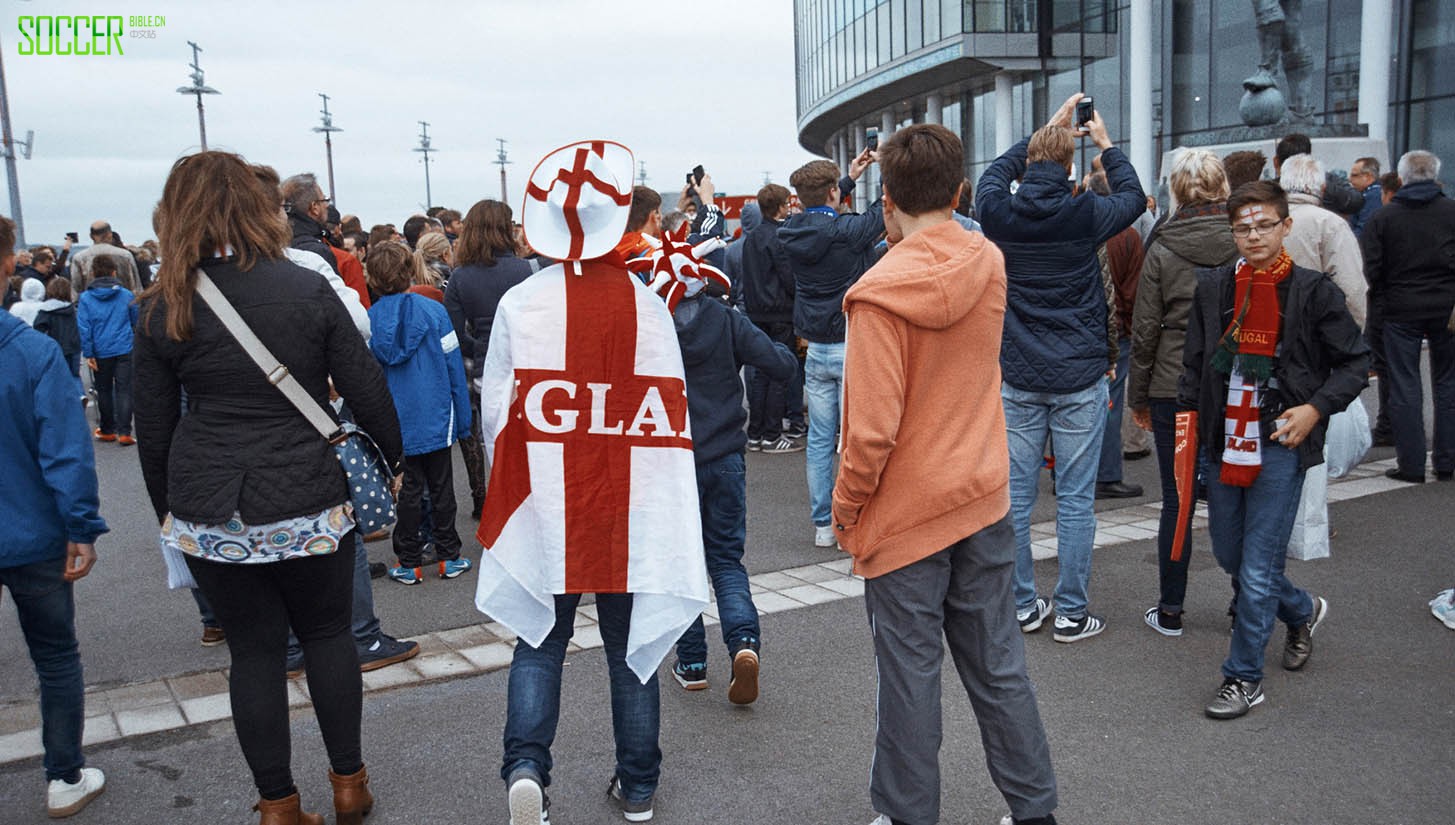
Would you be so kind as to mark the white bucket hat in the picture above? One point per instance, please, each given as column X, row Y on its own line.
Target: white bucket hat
column 578, row 199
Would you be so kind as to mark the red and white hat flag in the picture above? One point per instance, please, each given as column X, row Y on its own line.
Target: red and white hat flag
column 578, row 199
column 676, row 270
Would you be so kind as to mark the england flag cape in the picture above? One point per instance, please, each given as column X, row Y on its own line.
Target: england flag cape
column 593, row 487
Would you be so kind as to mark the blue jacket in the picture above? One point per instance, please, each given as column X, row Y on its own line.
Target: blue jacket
column 828, row 253
column 106, row 316
column 47, row 470
column 1056, row 315
column 420, row 353
column 716, row 342
column 1373, row 202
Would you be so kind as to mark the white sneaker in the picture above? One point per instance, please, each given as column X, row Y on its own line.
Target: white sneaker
column 824, row 536
column 528, row 802
column 65, row 799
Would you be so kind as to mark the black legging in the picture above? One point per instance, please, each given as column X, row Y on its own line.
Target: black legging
column 256, row 604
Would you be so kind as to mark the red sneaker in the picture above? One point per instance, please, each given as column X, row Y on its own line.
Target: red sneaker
column 100, row 436
column 125, row 440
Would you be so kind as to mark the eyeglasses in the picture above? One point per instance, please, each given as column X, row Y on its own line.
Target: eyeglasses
column 1243, row 230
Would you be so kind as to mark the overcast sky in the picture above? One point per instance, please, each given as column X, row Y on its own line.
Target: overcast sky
column 679, row 83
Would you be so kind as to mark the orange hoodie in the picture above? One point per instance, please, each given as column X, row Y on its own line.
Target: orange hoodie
column 925, row 461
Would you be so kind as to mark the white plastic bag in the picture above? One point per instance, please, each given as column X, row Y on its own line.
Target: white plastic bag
column 1347, row 440
column 1310, row 536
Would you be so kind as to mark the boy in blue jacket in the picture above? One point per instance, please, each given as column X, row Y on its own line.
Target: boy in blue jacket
column 716, row 342
column 49, row 522
column 416, row 345
column 106, row 317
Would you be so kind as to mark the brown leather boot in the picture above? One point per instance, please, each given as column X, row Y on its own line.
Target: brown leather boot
column 285, row 812
column 351, row 798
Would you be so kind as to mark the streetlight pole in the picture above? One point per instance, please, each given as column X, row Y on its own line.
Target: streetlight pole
column 500, row 159
column 11, row 171
column 424, row 148
column 328, row 129
column 198, row 88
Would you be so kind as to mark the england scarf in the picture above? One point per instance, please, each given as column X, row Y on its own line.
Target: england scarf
column 593, row 487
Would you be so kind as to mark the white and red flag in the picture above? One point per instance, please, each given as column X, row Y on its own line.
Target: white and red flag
column 593, row 487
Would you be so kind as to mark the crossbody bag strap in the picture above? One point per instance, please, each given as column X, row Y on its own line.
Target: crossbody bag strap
column 276, row 373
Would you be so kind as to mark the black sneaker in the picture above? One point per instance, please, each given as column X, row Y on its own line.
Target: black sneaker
column 743, row 689
column 385, row 651
column 1074, row 630
column 690, row 677
column 1300, row 643
column 632, row 811
column 529, row 804
column 1235, row 698
column 1168, row 624
column 1031, row 620
column 378, row 569
column 784, row 444
column 796, row 431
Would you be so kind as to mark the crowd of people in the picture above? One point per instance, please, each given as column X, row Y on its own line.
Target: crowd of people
column 603, row 365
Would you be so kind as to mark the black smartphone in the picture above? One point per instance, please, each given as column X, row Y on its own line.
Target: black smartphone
column 689, row 178
column 872, row 140
column 697, row 175
column 73, row 237
column 1085, row 111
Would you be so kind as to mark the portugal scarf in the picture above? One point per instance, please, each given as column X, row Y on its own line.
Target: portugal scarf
column 1246, row 352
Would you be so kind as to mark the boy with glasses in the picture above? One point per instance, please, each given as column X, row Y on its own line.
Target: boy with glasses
column 1271, row 353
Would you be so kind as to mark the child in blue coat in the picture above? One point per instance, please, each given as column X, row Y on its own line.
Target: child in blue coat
column 416, row 345
column 106, row 317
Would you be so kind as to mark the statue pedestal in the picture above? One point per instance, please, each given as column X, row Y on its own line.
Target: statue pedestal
column 1335, row 146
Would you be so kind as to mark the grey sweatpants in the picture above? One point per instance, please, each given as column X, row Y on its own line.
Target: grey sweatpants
column 964, row 594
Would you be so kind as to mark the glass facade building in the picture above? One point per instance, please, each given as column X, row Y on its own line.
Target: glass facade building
column 996, row 69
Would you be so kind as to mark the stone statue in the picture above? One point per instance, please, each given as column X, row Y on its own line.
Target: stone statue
column 1280, row 34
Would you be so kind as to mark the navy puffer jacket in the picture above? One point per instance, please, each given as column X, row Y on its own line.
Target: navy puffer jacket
column 1055, row 319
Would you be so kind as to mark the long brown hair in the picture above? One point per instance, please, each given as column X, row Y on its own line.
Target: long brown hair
column 211, row 201
column 487, row 233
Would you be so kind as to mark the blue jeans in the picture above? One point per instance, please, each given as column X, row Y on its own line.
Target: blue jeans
column 1406, row 396
column 113, row 394
column 204, row 608
column 722, row 493
column 1109, row 470
column 823, row 386
column 47, row 610
column 1249, row 528
column 533, row 705
column 1075, row 421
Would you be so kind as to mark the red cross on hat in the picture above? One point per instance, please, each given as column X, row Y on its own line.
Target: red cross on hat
column 578, row 199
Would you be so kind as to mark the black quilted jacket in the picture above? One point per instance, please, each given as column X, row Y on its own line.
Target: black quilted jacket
column 242, row 448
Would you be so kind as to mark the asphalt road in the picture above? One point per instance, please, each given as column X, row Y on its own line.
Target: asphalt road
column 132, row 628
column 1365, row 734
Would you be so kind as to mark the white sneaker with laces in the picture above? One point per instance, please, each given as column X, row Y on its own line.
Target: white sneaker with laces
column 824, row 536
column 64, row 799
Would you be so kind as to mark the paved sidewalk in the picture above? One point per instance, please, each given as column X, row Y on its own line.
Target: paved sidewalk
column 198, row 698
